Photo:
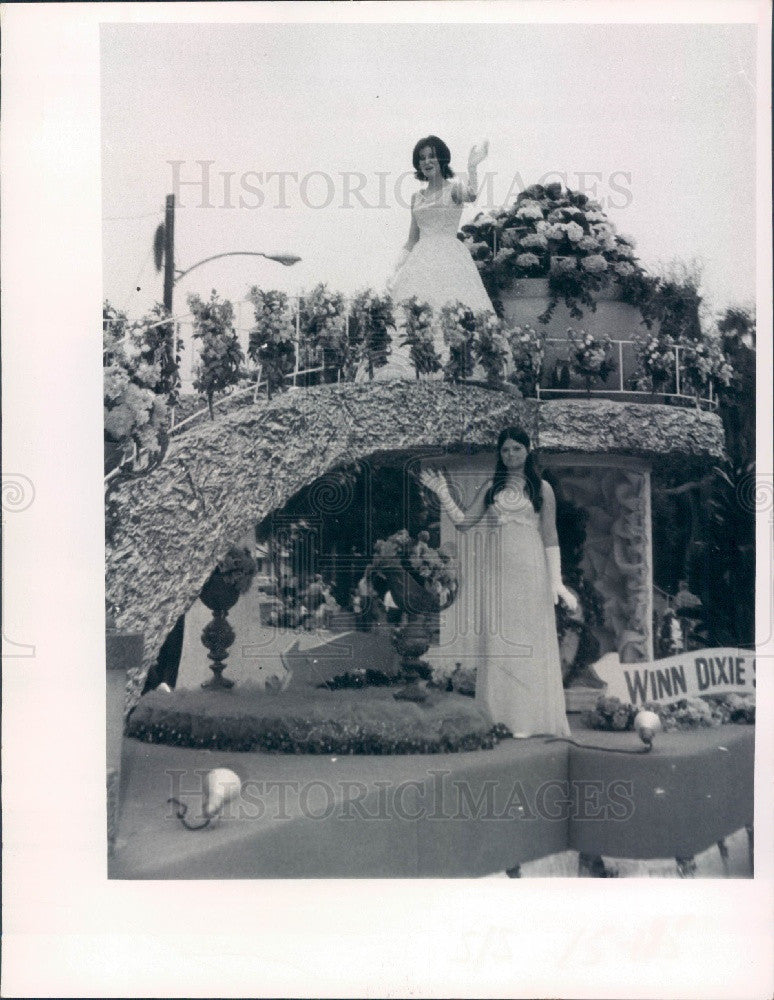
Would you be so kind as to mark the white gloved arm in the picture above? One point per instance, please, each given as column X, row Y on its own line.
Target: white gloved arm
column 405, row 250
column 469, row 189
column 558, row 589
column 456, row 516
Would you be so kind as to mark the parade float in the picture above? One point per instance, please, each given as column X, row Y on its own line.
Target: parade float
column 342, row 687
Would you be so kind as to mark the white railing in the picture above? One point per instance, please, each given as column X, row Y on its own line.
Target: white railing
column 709, row 400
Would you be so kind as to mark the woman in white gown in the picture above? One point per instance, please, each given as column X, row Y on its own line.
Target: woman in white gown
column 515, row 646
column 434, row 265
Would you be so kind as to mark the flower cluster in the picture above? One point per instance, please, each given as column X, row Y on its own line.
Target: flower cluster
column 237, row 568
column 528, row 350
column 656, row 361
column 458, row 324
column 418, row 336
column 492, row 347
column 590, row 355
column 702, row 362
column 272, row 339
column 688, row 713
column 324, row 327
column 220, row 354
column 134, row 411
column 611, row 714
column 435, row 568
column 371, row 319
column 549, row 228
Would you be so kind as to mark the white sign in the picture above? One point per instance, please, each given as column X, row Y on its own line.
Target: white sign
column 687, row 675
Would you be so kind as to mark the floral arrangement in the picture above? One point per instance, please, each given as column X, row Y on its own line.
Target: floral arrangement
column 492, row 348
column 590, row 355
column 688, row 713
column 371, row 319
column 458, row 325
column 703, row 362
column 272, row 339
column 135, row 413
column 668, row 634
column 418, row 336
column 435, row 568
column 656, row 362
column 299, row 605
column 550, row 230
column 528, row 351
column 323, row 325
column 220, row 355
column 237, row 568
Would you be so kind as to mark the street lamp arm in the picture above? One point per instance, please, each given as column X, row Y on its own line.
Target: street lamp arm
column 286, row 259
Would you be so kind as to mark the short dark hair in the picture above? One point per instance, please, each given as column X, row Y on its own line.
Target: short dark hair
column 441, row 151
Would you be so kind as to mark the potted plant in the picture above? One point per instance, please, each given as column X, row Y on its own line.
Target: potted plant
column 324, row 327
column 220, row 355
column 418, row 336
column 231, row 578
column 272, row 339
column 528, row 350
column 492, row 348
column 590, row 356
column 371, row 320
column 422, row 580
column 458, row 324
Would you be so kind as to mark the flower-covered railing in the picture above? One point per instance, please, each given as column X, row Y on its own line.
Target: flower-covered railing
column 623, row 375
column 325, row 337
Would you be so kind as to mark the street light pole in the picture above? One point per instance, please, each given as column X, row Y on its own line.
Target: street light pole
column 285, row 259
column 169, row 251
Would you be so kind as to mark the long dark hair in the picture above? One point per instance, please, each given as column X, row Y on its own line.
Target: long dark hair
column 532, row 477
column 441, row 151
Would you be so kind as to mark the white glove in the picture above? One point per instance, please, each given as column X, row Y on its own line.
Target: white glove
column 402, row 258
column 437, row 483
column 478, row 154
column 558, row 589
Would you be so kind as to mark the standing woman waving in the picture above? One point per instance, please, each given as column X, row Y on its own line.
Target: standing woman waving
column 514, row 645
column 433, row 264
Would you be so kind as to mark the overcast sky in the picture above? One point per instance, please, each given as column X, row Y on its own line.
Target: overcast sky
column 660, row 118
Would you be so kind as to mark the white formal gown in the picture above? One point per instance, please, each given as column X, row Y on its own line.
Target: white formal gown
column 438, row 270
column 513, row 641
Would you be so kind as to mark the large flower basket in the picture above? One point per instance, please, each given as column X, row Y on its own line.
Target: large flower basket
column 411, row 638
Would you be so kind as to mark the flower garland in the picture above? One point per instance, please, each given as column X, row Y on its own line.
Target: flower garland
column 272, row 339
column 458, row 324
column 418, row 336
column 614, row 715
